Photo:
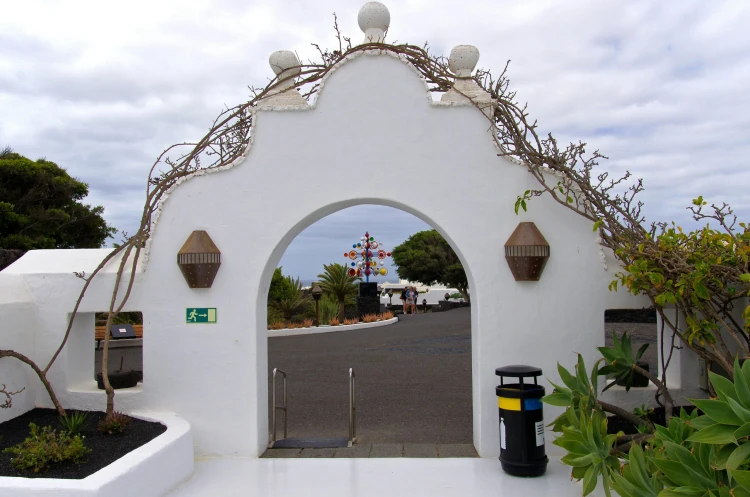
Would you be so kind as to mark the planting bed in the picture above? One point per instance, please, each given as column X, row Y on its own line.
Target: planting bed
column 105, row 449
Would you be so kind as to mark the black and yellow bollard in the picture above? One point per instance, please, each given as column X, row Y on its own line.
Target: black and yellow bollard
column 521, row 422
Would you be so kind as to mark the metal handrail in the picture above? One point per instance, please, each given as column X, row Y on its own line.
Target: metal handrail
column 352, row 408
column 283, row 407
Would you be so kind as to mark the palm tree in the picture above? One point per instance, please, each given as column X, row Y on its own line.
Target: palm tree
column 291, row 299
column 335, row 281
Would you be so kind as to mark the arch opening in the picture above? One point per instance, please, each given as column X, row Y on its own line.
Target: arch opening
column 415, row 373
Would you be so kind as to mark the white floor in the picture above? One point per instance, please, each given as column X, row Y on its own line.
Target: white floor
column 371, row 477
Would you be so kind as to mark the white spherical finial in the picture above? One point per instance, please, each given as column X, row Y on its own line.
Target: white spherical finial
column 374, row 20
column 463, row 60
column 285, row 64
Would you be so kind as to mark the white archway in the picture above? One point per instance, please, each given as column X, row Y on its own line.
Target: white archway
column 273, row 262
column 373, row 114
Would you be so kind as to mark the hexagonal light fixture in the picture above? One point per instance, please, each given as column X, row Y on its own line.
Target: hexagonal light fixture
column 526, row 252
column 199, row 260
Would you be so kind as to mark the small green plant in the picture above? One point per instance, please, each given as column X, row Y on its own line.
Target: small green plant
column 74, row 422
column 620, row 360
column 114, row 424
column 46, row 447
column 643, row 412
column 590, row 449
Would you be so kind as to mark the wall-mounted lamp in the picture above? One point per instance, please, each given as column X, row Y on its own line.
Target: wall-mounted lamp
column 526, row 252
column 199, row 260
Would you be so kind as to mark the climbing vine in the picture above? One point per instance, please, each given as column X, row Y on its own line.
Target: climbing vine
column 657, row 261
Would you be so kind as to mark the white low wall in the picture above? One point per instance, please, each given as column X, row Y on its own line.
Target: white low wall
column 287, row 332
column 151, row 470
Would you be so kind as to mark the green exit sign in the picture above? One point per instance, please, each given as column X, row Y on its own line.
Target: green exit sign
column 200, row 314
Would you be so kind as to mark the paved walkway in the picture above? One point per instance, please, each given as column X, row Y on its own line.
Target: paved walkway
column 372, row 478
column 413, row 381
column 378, row 450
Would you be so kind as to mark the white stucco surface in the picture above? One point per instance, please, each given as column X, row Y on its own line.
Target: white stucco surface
column 216, row 375
column 151, row 470
column 373, row 478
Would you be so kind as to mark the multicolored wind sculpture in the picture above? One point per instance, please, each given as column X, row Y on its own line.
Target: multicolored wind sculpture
column 363, row 258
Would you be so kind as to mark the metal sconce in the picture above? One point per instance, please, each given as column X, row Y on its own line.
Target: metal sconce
column 526, row 252
column 199, row 260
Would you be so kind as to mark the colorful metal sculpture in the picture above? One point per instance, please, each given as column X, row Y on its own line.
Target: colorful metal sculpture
column 363, row 258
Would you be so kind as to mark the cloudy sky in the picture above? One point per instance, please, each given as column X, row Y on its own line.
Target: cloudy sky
column 661, row 87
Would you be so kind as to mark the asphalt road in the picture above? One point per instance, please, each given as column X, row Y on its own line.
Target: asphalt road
column 413, row 380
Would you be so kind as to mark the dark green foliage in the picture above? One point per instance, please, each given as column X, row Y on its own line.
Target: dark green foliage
column 134, row 317
column 74, row 422
column 40, row 207
column 428, row 259
column 278, row 286
column 45, row 447
column 114, row 424
column 620, row 360
column 291, row 300
column 705, row 453
column 337, row 283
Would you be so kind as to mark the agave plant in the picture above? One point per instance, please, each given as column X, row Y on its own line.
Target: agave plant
column 620, row 360
column 589, row 448
column 703, row 455
column 578, row 390
column 726, row 420
column 291, row 299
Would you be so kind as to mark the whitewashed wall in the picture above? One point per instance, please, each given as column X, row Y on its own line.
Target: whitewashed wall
column 375, row 115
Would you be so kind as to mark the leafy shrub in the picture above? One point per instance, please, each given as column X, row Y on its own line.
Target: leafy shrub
column 456, row 295
column 277, row 325
column 41, row 449
column 351, row 321
column 643, row 412
column 328, row 309
column 620, row 360
column 694, row 455
column 307, row 323
column 386, row 315
column 334, row 321
column 74, row 422
column 114, row 424
column 273, row 315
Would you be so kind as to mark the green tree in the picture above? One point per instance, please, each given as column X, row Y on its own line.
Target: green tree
column 278, row 286
column 292, row 299
column 40, row 207
column 428, row 259
column 336, row 282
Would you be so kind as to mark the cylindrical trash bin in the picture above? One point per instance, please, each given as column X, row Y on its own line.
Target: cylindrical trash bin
column 521, row 422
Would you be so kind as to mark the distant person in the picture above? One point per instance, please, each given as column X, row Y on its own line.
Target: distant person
column 416, row 298
column 424, row 305
column 403, row 299
column 447, row 296
column 410, row 299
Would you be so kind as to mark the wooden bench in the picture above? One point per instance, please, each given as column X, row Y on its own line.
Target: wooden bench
column 99, row 331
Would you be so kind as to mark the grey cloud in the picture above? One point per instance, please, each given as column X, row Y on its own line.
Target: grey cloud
column 659, row 87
